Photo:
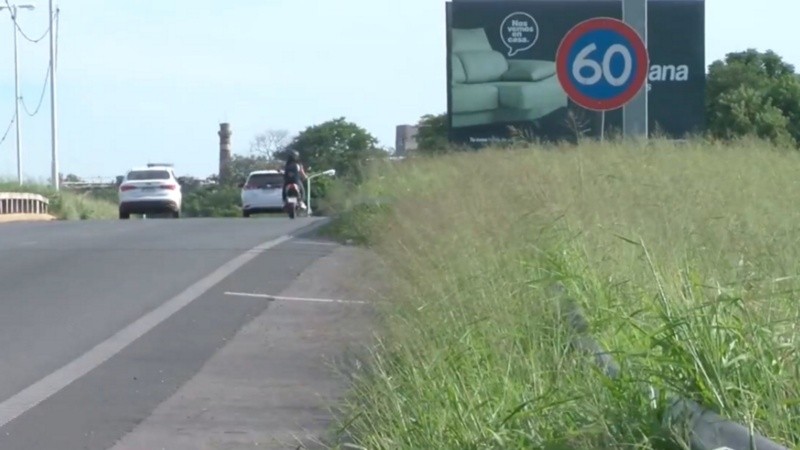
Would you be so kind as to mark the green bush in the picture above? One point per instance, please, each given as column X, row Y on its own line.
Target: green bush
column 212, row 201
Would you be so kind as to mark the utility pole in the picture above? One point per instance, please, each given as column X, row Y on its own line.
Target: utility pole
column 16, row 94
column 53, row 129
column 13, row 10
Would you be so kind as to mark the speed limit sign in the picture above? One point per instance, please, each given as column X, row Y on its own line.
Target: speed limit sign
column 602, row 63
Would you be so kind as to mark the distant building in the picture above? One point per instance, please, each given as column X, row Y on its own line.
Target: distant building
column 405, row 140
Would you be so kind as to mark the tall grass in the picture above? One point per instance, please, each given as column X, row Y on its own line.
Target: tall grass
column 67, row 205
column 685, row 258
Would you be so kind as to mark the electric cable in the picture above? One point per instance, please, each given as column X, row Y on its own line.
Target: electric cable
column 14, row 19
column 8, row 130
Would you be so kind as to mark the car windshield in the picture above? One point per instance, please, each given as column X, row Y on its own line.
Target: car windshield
column 262, row 180
column 148, row 175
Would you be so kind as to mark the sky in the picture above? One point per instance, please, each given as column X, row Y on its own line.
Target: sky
column 150, row 80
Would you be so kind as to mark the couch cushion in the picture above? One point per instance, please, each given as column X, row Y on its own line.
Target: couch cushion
column 482, row 66
column 459, row 75
column 529, row 70
column 474, row 97
column 471, row 39
column 529, row 95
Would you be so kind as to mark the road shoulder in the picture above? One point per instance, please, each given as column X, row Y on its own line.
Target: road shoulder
column 273, row 384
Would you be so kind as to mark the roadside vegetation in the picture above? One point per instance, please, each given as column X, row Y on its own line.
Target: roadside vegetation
column 68, row 205
column 684, row 257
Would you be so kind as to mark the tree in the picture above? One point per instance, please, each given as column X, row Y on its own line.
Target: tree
column 336, row 144
column 746, row 111
column 753, row 93
column 241, row 166
column 269, row 142
column 432, row 134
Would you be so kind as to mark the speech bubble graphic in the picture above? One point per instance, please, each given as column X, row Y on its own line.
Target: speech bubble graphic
column 519, row 32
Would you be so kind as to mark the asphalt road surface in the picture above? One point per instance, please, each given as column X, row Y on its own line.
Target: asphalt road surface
column 100, row 322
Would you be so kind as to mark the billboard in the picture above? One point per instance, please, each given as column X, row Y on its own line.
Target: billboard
column 502, row 68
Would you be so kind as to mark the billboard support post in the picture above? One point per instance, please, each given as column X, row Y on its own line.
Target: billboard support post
column 602, row 126
column 635, row 120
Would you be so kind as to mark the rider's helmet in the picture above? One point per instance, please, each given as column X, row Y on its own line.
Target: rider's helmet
column 294, row 156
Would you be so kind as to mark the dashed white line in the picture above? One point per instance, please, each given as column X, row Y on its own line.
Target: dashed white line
column 41, row 390
column 308, row 242
column 293, row 299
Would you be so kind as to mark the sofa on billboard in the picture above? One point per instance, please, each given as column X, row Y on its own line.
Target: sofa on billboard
column 487, row 88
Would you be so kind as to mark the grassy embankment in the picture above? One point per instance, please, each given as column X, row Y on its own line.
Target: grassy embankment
column 67, row 205
column 685, row 259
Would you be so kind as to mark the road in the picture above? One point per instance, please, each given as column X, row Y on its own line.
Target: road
column 100, row 322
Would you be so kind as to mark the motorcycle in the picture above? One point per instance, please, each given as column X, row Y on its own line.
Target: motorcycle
column 294, row 204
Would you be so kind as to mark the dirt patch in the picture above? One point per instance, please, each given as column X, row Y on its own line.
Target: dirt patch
column 7, row 218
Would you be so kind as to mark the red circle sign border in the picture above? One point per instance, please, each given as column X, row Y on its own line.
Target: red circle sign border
column 601, row 23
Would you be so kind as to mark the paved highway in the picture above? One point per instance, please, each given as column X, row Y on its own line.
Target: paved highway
column 102, row 321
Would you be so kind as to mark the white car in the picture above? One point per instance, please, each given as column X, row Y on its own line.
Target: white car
column 150, row 190
column 262, row 192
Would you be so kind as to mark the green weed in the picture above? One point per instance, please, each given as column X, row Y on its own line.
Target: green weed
column 684, row 257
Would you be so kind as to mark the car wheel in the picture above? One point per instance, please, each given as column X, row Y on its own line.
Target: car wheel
column 124, row 215
column 176, row 214
column 245, row 214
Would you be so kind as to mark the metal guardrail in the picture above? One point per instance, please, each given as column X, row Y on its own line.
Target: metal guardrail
column 113, row 184
column 88, row 184
column 23, row 203
column 705, row 429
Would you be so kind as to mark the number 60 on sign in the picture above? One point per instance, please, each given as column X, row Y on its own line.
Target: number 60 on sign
column 602, row 64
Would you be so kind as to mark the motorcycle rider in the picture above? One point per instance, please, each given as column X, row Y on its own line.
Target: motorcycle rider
column 293, row 172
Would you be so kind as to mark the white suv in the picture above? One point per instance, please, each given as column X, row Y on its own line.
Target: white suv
column 262, row 192
column 150, row 190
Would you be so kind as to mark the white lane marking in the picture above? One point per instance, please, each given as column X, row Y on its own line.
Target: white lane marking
column 293, row 299
column 61, row 378
column 308, row 242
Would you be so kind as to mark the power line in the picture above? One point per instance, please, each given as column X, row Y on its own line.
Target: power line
column 53, row 19
column 8, row 130
column 21, row 32
column 46, row 78
column 41, row 98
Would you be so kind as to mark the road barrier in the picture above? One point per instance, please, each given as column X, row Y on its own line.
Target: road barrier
column 89, row 184
column 23, row 203
column 705, row 429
